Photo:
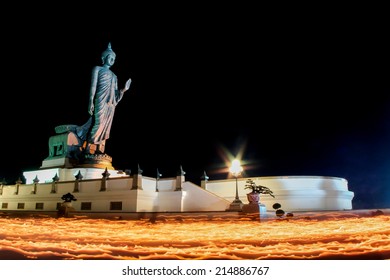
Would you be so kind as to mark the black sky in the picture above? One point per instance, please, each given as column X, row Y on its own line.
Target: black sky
column 304, row 95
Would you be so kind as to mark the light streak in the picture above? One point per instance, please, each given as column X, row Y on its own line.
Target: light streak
column 182, row 237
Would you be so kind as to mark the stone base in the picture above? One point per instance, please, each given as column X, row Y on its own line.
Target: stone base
column 254, row 208
column 235, row 206
column 97, row 161
column 60, row 162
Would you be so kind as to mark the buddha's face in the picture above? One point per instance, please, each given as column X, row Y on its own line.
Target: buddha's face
column 110, row 59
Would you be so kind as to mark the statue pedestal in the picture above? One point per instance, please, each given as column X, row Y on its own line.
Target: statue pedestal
column 96, row 161
column 60, row 162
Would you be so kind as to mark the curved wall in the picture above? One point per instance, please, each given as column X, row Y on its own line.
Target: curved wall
column 294, row 193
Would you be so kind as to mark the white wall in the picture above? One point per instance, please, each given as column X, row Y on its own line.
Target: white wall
column 294, row 193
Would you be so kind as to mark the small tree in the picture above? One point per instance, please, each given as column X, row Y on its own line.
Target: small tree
column 68, row 197
column 250, row 184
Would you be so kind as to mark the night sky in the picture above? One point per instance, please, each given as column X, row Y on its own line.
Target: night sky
column 292, row 96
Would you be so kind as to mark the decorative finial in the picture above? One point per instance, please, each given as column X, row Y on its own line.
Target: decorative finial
column 158, row 174
column 204, row 177
column 106, row 174
column 36, row 180
column 139, row 171
column 79, row 176
column 181, row 172
column 56, row 178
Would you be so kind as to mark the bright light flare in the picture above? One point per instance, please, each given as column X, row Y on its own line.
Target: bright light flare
column 236, row 168
column 227, row 158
